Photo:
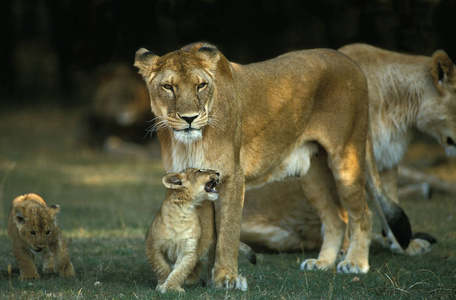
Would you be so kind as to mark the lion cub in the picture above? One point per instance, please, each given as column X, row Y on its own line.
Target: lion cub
column 183, row 230
column 33, row 228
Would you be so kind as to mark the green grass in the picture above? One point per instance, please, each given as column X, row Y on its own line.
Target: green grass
column 108, row 204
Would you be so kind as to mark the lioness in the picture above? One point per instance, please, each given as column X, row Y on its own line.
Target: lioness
column 33, row 228
column 405, row 92
column 265, row 121
column 183, row 231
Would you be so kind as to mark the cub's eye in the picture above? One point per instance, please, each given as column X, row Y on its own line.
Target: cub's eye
column 33, row 232
column 48, row 232
column 167, row 87
column 199, row 171
column 201, row 86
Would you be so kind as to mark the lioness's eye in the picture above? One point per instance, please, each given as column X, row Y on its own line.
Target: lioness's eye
column 33, row 232
column 201, row 86
column 167, row 87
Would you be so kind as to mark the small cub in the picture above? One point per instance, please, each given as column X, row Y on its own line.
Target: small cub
column 183, row 230
column 33, row 228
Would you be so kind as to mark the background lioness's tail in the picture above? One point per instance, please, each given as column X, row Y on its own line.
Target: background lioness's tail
column 248, row 252
column 394, row 220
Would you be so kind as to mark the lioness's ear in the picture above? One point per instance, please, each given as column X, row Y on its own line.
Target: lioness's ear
column 442, row 70
column 210, row 57
column 174, row 180
column 145, row 62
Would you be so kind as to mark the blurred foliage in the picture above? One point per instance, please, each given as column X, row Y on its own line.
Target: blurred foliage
column 53, row 46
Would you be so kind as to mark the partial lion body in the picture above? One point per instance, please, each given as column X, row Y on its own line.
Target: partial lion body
column 263, row 122
column 404, row 92
column 33, row 228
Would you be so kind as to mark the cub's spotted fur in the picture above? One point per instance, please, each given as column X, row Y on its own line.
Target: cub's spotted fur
column 33, row 228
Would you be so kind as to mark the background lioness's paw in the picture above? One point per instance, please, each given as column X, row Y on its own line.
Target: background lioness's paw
column 352, row 267
column 418, row 247
column 315, row 264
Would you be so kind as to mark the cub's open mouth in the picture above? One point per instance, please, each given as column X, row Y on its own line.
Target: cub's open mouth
column 36, row 250
column 210, row 186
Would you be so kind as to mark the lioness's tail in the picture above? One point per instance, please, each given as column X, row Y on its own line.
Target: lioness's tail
column 248, row 252
column 394, row 220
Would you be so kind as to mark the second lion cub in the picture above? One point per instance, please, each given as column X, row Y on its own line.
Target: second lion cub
column 183, row 230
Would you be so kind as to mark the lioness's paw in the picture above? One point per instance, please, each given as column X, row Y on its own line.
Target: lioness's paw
column 352, row 267
column 315, row 264
column 237, row 282
column 168, row 288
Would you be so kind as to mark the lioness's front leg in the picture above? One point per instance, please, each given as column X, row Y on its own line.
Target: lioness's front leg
column 228, row 214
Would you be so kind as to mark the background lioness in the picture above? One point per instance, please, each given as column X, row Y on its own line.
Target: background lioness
column 265, row 121
column 405, row 92
column 33, row 228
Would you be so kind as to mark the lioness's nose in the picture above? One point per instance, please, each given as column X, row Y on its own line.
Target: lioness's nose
column 190, row 119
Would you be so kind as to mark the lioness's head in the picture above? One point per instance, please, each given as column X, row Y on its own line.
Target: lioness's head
column 35, row 221
column 198, row 184
column 181, row 87
column 438, row 112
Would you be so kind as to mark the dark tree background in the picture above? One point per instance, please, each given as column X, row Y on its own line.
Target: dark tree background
column 53, row 47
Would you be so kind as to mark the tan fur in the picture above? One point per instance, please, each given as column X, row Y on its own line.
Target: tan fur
column 405, row 92
column 33, row 228
column 263, row 122
column 183, row 231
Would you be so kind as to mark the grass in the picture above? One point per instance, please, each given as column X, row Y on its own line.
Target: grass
column 108, row 204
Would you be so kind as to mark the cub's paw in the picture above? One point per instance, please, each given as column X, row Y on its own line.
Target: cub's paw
column 352, row 267
column 67, row 270
column 315, row 264
column 168, row 288
column 230, row 282
column 30, row 276
column 48, row 268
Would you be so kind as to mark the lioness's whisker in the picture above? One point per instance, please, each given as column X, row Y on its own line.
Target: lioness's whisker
column 156, row 126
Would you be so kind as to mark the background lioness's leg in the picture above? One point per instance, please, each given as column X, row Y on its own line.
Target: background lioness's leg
column 320, row 189
column 418, row 246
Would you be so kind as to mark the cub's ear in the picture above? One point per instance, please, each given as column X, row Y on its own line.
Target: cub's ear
column 55, row 210
column 145, row 61
column 19, row 215
column 174, row 181
column 442, row 70
column 210, row 57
